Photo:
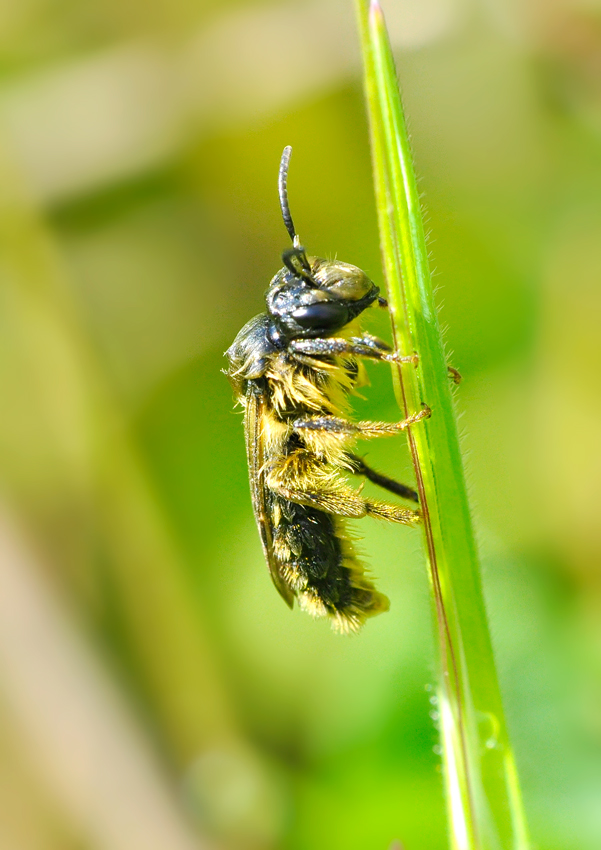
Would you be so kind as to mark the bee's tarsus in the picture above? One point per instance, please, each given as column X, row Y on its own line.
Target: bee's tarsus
column 397, row 357
column 455, row 374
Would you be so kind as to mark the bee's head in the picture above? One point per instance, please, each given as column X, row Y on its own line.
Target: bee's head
column 321, row 301
column 311, row 297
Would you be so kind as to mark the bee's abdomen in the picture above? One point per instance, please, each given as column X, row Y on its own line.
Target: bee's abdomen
column 318, row 563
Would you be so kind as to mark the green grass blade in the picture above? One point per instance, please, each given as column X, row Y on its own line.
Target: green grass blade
column 482, row 789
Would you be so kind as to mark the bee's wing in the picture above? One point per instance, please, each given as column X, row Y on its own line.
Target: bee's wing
column 255, row 412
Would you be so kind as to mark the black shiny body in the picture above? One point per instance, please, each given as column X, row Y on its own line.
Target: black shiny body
column 294, row 382
column 293, row 368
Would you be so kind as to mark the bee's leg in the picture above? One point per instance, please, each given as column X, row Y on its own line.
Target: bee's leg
column 365, row 429
column 402, row 490
column 454, row 374
column 303, row 479
column 372, row 341
column 365, row 346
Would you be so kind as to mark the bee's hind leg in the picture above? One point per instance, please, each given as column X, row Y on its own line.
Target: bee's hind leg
column 300, row 478
column 402, row 490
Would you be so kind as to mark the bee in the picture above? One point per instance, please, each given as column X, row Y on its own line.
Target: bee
column 293, row 368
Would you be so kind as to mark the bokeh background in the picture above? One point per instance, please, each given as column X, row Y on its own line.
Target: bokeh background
column 154, row 690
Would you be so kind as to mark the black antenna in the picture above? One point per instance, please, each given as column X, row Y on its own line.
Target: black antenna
column 295, row 258
column 283, row 191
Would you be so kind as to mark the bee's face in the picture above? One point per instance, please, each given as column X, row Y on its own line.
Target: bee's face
column 305, row 310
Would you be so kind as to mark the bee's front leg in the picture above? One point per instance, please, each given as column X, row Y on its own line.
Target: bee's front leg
column 364, row 346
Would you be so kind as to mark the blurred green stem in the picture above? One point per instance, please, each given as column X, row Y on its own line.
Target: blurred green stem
column 482, row 790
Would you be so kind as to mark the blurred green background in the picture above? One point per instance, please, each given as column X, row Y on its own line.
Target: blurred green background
column 155, row 692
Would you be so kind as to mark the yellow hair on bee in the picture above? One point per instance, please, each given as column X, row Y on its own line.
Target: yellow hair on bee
column 294, row 368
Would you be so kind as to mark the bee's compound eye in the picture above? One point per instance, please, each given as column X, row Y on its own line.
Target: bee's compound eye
column 326, row 314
